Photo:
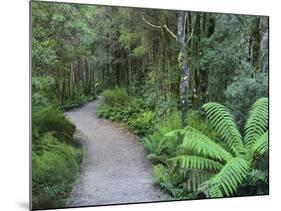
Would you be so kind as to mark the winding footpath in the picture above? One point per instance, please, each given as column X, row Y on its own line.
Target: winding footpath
column 114, row 169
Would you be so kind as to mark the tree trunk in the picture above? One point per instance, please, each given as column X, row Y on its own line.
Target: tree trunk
column 256, row 37
column 184, row 67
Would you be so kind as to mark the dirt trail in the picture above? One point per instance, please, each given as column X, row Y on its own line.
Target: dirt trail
column 115, row 169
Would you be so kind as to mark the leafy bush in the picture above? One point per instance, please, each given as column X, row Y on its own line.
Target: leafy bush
column 171, row 182
column 115, row 97
column 156, row 144
column 245, row 85
column 134, row 112
column 161, row 142
column 76, row 102
column 142, row 123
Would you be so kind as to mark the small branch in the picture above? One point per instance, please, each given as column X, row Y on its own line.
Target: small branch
column 155, row 26
column 190, row 36
column 160, row 26
column 171, row 33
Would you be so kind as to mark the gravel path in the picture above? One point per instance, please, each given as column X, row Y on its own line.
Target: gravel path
column 115, row 169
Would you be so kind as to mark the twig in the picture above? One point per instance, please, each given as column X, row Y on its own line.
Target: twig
column 161, row 26
column 191, row 34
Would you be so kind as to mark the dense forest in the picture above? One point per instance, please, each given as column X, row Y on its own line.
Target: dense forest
column 192, row 85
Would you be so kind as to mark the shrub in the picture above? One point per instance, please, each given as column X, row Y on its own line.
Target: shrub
column 55, row 157
column 156, row 144
column 76, row 102
column 115, row 97
column 50, row 119
column 160, row 142
column 53, row 171
column 171, row 182
column 135, row 113
column 142, row 123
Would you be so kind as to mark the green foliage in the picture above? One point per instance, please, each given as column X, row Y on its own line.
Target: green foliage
column 50, row 119
column 76, row 102
column 42, row 89
column 115, row 97
column 163, row 141
column 229, row 164
column 202, row 145
column 54, row 152
column 170, row 182
column 142, row 123
column 227, row 181
column 245, row 85
column 257, row 121
column 133, row 111
column 54, row 170
column 155, row 143
column 224, row 124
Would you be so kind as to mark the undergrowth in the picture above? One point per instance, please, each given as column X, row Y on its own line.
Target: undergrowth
column 56, row 156
column 134, row 112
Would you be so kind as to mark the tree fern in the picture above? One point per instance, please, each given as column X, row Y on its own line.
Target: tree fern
column 257, row 122
column 223, row 172
column 226, row 182
column 197, row 142
column 223, row 122
column 260, row 146
column 195, row 162
column 196, row 178
column 258, row 175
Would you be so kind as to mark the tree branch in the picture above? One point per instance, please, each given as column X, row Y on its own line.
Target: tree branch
column 191, row 34
column 160, row 26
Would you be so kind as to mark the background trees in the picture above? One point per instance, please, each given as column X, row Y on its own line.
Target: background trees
column 87, row 48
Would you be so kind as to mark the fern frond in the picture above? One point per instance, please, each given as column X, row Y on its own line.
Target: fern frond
column 196, row 178
column 258, row 175
column 175, row 133
column 195, row 162
column 197, row 143
column 227, row 181
column 148, row 144
column 223, row 122
column 261, row 145
column 257, row 121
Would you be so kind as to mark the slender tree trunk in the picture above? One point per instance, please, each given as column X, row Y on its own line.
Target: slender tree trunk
column 129, row 72
column 184, row 67
column 256, row 36
column 93, row 80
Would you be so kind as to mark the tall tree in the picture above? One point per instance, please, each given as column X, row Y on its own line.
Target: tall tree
column 182, row 43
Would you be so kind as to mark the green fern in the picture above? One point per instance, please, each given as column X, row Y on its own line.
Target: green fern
column 223, row 122
column 260, row 146
column 231, row 176
column 258, row 175
column 195, row 162
column 224, row 167
column 197, row 142
column 257, row 122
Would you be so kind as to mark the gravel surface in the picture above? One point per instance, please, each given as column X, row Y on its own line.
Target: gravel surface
column 114, row 169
